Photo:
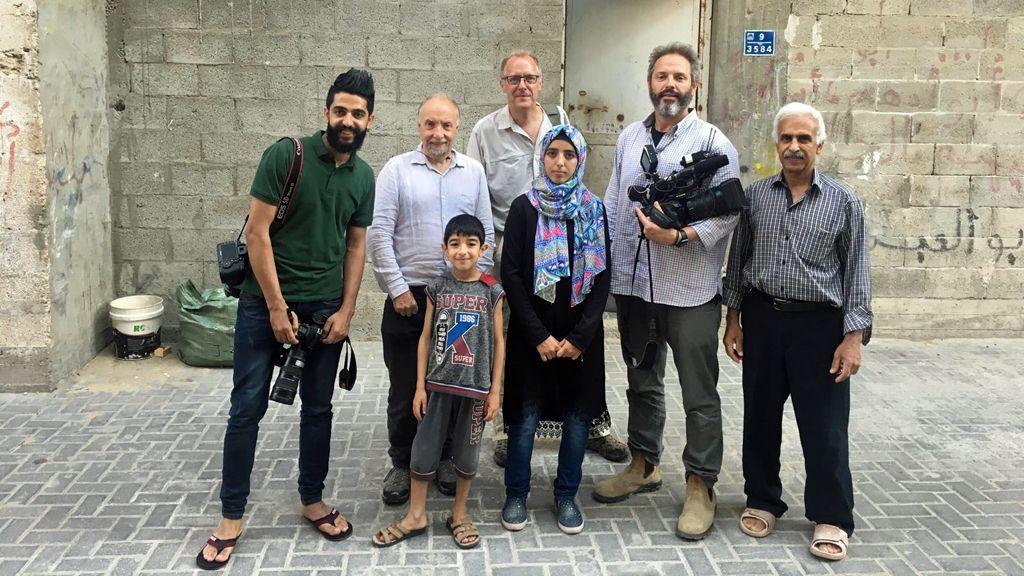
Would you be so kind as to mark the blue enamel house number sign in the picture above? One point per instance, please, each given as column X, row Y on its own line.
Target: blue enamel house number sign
column 759, row 43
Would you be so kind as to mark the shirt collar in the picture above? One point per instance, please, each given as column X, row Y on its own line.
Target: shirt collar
column 321, row 151
column 780, row 180
column 504, row 120
column 686, row 121
column 420, row 158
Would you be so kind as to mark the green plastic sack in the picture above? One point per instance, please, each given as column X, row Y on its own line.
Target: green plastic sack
column 207, row 322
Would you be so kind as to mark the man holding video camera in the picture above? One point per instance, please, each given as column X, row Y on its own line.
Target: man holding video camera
column 667, row 287
column 304, row 279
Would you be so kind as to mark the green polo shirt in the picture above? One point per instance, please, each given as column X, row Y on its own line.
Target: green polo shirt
column 309, row 248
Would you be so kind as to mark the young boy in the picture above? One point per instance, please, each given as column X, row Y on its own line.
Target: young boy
column 461, row 357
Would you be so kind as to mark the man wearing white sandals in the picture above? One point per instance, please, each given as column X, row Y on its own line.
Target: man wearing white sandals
column 798, row 289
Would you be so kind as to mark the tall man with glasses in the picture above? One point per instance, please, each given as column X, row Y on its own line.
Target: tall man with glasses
column 504, row 142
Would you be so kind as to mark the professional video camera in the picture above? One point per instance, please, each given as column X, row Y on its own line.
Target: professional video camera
column 293, row 359
column 679, row 195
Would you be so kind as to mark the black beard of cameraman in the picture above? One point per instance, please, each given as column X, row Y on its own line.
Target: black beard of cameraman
column 309, row 265
column 685, row 271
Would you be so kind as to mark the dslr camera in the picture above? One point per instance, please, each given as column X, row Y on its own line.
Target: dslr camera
column 293, row 359
column 680, row 196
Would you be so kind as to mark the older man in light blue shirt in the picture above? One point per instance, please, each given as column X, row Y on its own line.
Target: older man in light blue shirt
column 417, row 194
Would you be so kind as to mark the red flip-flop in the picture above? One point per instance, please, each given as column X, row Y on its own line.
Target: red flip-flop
column 220, row 546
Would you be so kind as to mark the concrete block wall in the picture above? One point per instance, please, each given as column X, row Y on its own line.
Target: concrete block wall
column 923, row 103
column 200, row 89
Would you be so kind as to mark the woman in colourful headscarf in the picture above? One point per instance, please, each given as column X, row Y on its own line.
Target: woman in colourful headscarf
column 554, row 267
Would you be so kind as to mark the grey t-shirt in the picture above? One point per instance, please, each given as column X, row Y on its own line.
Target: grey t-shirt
column 462, row 335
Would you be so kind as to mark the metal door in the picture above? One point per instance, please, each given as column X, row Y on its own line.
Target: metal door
column 607, row 43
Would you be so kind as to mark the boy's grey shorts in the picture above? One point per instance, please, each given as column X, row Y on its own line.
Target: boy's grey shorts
column 465, row 417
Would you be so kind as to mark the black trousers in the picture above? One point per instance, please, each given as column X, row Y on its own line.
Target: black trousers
column 788, row 354
column 400, row 336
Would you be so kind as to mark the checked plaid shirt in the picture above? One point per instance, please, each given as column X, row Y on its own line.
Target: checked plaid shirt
column 687, row 276
column 814, row 250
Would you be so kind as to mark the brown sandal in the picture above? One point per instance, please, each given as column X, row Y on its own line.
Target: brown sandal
column 220, row 546
column 394, row 534
column 761, row 515
column 463, row 530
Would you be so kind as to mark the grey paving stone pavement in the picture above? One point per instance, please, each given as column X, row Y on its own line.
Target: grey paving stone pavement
column 119, row 473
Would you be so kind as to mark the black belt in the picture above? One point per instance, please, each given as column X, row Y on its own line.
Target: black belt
column 787, row 305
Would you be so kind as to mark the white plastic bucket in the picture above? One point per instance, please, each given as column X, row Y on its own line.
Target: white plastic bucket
column 137, row 315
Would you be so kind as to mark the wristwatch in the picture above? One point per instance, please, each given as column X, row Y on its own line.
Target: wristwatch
column 681, row 239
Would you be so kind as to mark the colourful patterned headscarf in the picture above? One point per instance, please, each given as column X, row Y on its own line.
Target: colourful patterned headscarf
column 556, row 204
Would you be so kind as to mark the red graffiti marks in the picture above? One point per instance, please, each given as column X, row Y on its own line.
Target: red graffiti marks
column 9, row 130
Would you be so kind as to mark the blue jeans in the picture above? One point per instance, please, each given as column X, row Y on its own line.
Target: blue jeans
column 253, row 366
column 570, row 454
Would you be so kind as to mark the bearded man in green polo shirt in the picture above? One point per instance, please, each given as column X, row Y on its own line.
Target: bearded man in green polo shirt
column 312, row 264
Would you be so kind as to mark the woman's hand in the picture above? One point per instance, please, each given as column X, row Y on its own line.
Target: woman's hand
column 548, row 349
column 568, row 350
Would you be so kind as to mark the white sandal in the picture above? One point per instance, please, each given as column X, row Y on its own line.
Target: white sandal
column 829, row 534
column 764, row 516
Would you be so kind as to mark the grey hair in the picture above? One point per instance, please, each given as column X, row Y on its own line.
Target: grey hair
column 798, row 109
column 519, row 54
column 440, row 96
column 684, row 50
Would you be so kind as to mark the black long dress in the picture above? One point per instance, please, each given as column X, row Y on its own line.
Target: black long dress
column 559, row 384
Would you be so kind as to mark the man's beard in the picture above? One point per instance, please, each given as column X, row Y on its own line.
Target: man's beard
column 671, row 109
column 339, row 145
column 436, row 151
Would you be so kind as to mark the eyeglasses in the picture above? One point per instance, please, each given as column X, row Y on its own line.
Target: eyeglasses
column 530, row 79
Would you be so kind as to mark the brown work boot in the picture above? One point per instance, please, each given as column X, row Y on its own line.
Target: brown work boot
column 698, row 510
column 639, row 476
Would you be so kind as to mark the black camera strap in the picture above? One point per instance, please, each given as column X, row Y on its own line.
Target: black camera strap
column 291, row 183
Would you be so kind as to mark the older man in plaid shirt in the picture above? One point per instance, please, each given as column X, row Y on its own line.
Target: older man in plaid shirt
column 800, row 282
column 679, row 285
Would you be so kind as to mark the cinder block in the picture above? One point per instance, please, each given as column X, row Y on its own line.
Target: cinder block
column 400, row 52
column 848, row 30
column 798, row 90
column 395, row 118
column 812, row 7
column 163, row 145
column 235, row 147
column 481, row 90
column 167, row 211
column 858, row 160
column 231, row 16
column 143, row 45
column 299, row 82
column 170, row 79
column 943, row 127
column 907, row 96
column 977, row 33
column 940, row 8
column 871, row 127
column 197, row 245
column 955, row 96
column 233, row 80
column 999, row 7
column 202, row 114
column 370, row 17
column 1009, row 160
column 465, row 54
column 999, row 128
column 826, row 62
column 225, row 212
column 347, row 53
column 927, row 190
column 838, row 125
column 142, row 111
column 141, row 243
column 265, row 49
column 194, row 47
column 1002, row 65
column 1015, row 31
column 172, row 14
column 884, row 63
column 163, row 279
column 969, row 159
column 1012, row 97
column 947, row 64
column 434, row 19
column 385, row 84
column 300, row 15
column 269, row 116
column 889, row 7
column 909, row 31
column 997, row 191
column 415, row 85
column 142, row 178
column 846, row 94
column 881, row 190
column 202, row 180
column 243, row 178
column 1007, row 223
